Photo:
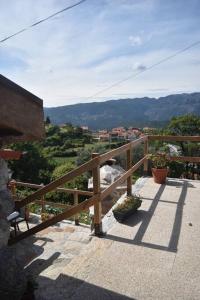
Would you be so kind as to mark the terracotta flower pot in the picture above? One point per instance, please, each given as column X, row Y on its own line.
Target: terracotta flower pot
column 10, row 154
column 159, row 175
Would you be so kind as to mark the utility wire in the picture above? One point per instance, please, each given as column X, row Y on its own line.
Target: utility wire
column 41, row 21
column 145, row 70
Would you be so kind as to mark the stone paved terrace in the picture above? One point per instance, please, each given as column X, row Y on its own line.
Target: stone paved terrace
column 153, row 255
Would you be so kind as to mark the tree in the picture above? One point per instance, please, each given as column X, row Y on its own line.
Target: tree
column 186, row 125
column 79, row 182
column 47, row 121
column 33, row 167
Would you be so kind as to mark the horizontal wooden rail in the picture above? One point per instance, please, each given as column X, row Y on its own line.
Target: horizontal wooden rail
column 54, row 204
column 175, row 138
column 185, row 158
column 38, row 186
column 60, row 181
column 120, row 150
column 28, row 185
column 120, row 180
column 73, row 191
column 64, row 215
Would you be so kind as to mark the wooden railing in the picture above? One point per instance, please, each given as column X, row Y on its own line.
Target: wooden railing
column 173, row 138
column 43, row 202
column 97, row 195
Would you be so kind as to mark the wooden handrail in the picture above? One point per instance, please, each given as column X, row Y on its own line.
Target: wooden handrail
column 120, row 150
column 54, row 204
column 120, row 180
column 175, row 138
column 192, row 159
column 38, row 186
column 98, row 196
column 64, row 215
column 58, row 182
column 91, row 164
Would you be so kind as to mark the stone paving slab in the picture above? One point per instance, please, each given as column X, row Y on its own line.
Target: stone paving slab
column 45, row 254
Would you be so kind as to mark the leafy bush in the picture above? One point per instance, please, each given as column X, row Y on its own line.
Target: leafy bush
column 33, row 166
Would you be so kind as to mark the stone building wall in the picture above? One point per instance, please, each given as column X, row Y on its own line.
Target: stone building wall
column 12, row 276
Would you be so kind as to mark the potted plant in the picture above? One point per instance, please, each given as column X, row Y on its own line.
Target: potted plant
column 127, row 207
column 45, row 216
column 159, row 168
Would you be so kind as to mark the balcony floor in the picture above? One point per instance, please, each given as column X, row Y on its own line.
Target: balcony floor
column 153, row 255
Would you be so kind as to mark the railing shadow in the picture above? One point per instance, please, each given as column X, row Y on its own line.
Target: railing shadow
column 145, row 218
column 67, row 287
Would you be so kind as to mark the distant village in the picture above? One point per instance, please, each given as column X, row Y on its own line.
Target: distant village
column 117, row 134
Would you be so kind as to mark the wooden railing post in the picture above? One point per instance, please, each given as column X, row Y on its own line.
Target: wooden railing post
column 146, row 150
column 43, row 202
column 97, row 191
column 12, row 187
column 128, row 166
column 76, row 217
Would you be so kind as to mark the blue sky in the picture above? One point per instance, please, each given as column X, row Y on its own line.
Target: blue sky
column 74, row 55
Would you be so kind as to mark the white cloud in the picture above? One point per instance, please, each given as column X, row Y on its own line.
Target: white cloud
column 135, row 40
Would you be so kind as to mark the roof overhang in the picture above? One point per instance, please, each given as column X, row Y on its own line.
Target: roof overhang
column 21, row 113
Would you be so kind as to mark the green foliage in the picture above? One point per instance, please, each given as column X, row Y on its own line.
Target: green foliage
column 131, row 202
column 61, row 170
column 85, row 154
column 159, row 160
column 176, row 169
column 53, row 210
column 184, row 125
column 62, row 141
column 79, row 182
column 52, row 129
column 33, row 166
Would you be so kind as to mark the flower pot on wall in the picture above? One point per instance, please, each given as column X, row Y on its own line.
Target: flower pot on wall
column 10, row 154
column 159, row 175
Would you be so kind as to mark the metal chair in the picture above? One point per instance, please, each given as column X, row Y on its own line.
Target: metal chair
column 15, row 218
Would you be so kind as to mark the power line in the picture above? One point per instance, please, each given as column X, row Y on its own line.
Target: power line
column 42, row 20
column 145, row 70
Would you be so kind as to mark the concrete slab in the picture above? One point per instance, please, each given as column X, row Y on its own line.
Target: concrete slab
column 153, row 255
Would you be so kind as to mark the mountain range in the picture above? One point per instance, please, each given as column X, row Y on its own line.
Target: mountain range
column 136, row 112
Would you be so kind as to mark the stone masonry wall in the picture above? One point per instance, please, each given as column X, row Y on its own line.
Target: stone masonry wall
column 12, row 277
